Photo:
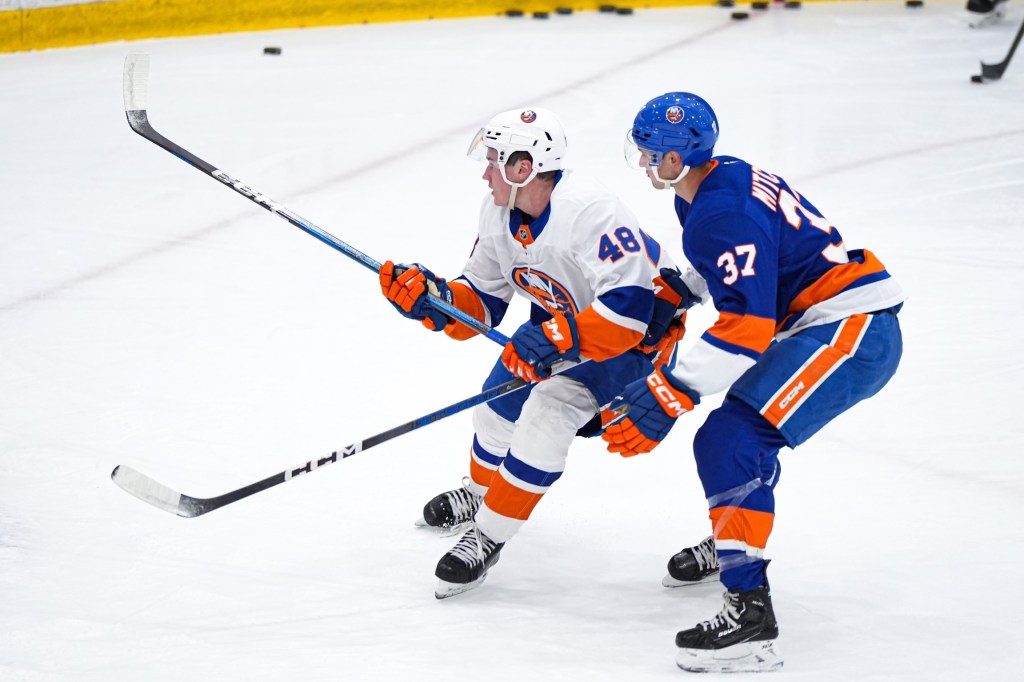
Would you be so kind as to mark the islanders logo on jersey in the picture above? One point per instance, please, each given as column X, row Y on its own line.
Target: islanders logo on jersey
column 551, row 295
column 674, row 114
column 528, row 116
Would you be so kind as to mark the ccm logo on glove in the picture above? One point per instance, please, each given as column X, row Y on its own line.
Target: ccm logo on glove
column 668, row 398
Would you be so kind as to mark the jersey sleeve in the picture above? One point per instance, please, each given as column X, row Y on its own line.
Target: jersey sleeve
column 481, row 290
column 620, row 262
column 739, row 262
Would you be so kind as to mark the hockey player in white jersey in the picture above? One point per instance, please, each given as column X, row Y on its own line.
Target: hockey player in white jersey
column 576, row 252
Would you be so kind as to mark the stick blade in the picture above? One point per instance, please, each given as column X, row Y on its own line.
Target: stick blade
column 151, row 492
column 136, row 81
column 992, row 71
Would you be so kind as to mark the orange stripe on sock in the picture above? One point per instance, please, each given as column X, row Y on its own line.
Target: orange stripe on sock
column 507, row 500
column 746, row 525
column 480, row 474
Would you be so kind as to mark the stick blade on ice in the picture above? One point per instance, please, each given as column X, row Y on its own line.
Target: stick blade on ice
column 150, row 491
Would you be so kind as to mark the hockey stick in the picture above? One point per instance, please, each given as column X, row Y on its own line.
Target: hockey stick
column 136, row 81
column 162, row 497
column 995, row 71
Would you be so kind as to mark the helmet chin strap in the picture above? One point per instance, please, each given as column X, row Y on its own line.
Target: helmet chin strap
column 667, row 184
column 512, row 197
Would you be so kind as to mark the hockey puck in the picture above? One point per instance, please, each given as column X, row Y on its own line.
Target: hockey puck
column 513, row 13
column 623, row 10
column 271, row 50
column 606, row 8
column 563, row 10
column 977, row 79
column 740, row 15
column 915, row 3
column 759, row 5
column 540, row 15
column 792, row 4
column 726, row 3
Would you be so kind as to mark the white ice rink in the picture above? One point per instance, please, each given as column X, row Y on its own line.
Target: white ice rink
column 150, row 317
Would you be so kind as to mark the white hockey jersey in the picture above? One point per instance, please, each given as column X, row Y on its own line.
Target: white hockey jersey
column 584, row 256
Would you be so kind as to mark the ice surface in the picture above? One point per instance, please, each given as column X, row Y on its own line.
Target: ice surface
column 152, row 318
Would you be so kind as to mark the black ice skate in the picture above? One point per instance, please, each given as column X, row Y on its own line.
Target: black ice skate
column 465, row 565
column 741, row 638
column 693, row 565
column 985, row 12
column 450, row 510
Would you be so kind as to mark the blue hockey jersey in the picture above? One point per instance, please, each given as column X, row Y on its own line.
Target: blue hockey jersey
column 773, row 265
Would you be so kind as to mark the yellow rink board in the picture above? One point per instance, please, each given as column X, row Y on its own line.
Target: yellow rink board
column 86, row 23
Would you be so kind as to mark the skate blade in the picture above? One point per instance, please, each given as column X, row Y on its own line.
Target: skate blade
column 442, row 532
column 669, row 581
column 746, row 657
column 446, row 589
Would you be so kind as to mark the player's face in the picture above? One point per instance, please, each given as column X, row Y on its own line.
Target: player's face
column 492, row 174
column 652, row 171
column 659, row 175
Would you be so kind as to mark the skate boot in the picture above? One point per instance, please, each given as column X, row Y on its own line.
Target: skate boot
column 693, row 565
column 741, row 638
column 465, row 565
column 985, row 12
column 451, row 509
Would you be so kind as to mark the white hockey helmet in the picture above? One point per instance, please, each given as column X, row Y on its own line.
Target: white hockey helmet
column 532, row 130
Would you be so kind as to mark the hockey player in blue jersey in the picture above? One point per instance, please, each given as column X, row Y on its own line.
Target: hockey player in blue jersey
column 806, row 329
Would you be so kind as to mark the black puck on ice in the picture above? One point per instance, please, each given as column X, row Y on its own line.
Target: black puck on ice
column 759, row 5
column 540, row 15
column 740, row 15
column 606, row 8
column 563, row 10
column 915, row 3
column 513, row 13
column 977, row 79
column 271, row 50
column 726, row 3
column 792, row 4
column 624, row 10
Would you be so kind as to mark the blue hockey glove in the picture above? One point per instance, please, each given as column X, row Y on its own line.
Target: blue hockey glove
column 671, row 298
column 654, row 405
column 530, row 353
column 407, row 286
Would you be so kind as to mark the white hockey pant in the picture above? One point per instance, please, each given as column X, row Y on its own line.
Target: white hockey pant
column 513, row 465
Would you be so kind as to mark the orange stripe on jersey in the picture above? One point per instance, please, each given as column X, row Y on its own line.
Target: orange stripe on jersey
column 834, row 281
column 508, row 500
column 601, row 339
column 807, row 379
column 746, row 525
column 747, row 331
column 466, row 300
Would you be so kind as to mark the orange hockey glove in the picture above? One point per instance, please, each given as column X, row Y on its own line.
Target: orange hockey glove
column 407, row 286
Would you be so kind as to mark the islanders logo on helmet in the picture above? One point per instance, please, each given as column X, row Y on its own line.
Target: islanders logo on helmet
column 528, row 116
column 674, row 114
column 551, row 295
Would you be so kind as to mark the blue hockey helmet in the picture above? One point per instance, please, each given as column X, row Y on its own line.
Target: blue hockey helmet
column 676, row 122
